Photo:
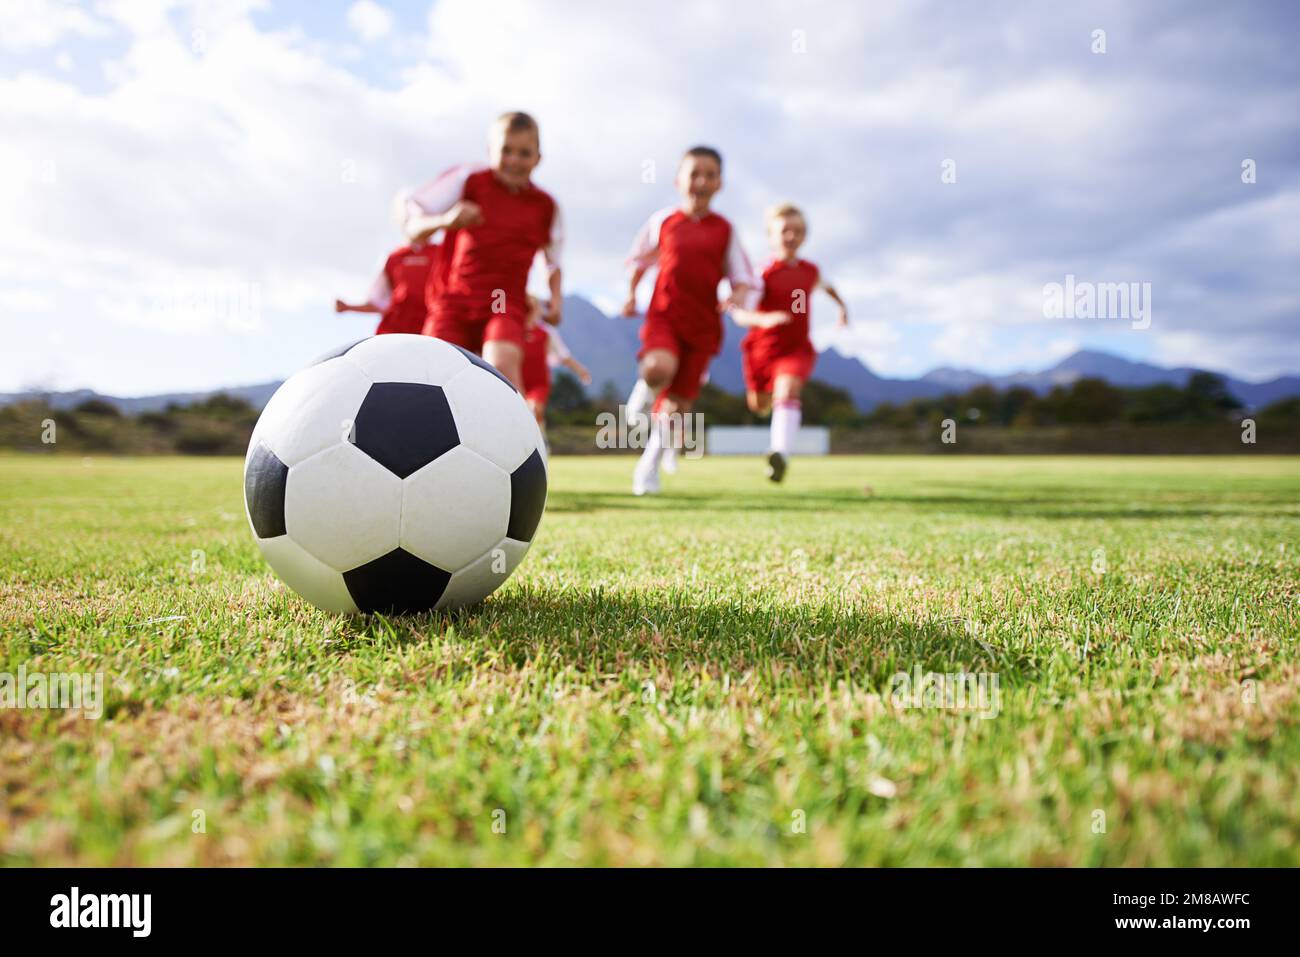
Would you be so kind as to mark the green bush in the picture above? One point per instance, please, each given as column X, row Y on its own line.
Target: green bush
column 210, row 438
column 98, row 407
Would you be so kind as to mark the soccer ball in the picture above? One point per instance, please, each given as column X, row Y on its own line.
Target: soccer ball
column 398, row 474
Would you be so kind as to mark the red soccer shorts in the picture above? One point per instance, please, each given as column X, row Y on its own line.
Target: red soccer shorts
column 536, row 371
column 692, row 363
column 463, row 324
column 762, row 368
column 537, row 385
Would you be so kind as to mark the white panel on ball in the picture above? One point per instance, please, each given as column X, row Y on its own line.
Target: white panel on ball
column 400, row 357
column 343, row 507
column 312, row 579
column 454, row 509
column 313, row 410
column 493, row 420
column 478, row 580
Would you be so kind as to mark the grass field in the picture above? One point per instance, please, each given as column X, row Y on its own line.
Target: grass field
column 702, row 678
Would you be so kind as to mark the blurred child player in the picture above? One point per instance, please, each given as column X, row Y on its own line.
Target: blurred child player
column 544, row 349
column 777, row 353
column 497, row 221
column 398, row 292
column 695, row 249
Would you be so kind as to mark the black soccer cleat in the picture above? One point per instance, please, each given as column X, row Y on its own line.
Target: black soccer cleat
column 775, row 466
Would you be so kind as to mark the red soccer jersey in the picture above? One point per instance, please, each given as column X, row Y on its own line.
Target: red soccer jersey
column 400, row 289
column 787, row 287
column 694, row 255
column 498, row 252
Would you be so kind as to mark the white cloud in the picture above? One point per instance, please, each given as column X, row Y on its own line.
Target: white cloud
column 27, row 25
column 227, row 156
column 369, row 20
column 874, row 341
column 966, row 346
column 1248, row 356
column 19, row 300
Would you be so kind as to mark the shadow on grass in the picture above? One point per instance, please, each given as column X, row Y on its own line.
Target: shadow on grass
column 604, row 631
column 799, row 501
column 1066, row 506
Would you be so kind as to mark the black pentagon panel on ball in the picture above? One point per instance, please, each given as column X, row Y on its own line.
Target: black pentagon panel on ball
column 405, row 425
column 264, row 481
column 484, row 364
column 399, row 583
column 527, row 498
column 335, row 353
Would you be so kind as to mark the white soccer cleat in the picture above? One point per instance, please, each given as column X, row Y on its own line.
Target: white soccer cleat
column 645, row 482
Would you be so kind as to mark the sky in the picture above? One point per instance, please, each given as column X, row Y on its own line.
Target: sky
column 185, row 187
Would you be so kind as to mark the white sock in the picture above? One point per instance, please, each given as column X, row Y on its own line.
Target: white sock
column 671, row 440
column 638, row 403
column 785, row 425
column 654, row 450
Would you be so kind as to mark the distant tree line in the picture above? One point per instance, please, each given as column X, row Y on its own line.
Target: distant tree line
column 222, row 424
column 219, row 425
column 1203, row 399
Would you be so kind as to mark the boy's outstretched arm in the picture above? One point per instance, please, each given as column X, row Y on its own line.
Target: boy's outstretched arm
column 740, row 276
column 844, row 309
column 644, row 255
column 440, row 205
column 558, row 354
column 341, row 306
column 578, row 369
column 379, row 299
column 736, row 299
column 552, row 252
column 461, row 215
column 638, row 272
column 553, row 308
column 753, row 319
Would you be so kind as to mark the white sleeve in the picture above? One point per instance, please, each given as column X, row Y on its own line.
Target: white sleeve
column 556, row 350
column 738, row 270
column 381, row 290
column 645, row 248
column 438, row 195
column 554, row 249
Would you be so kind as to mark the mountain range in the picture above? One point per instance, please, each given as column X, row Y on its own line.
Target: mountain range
column 608, row 346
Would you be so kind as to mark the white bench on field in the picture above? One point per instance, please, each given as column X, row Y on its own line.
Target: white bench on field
column 753, row 440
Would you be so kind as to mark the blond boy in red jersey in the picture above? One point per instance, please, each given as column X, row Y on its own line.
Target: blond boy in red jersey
column 497, row 221
column 777, row 352
column 695, row 249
